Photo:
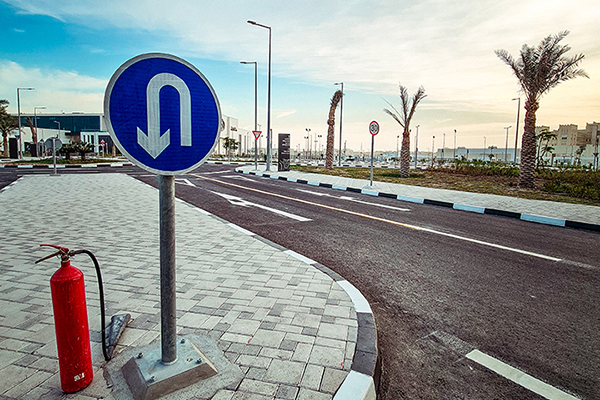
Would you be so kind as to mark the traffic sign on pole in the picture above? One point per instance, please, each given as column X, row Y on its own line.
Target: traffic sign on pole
column 162, row 113
column 256, row 134
column 374, row 128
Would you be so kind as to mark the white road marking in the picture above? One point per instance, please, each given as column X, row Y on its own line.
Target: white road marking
column 354, row 200
column 519, row 377
column 241, row 202
column 184, row 182
column 417, row 228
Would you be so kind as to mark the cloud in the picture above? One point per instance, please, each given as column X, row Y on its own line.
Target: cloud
column 19, row 30
column 284, row 113
column 55, row 89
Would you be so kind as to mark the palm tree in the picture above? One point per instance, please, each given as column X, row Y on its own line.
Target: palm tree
column 539, row 69
column 337, row 96
column 403, row 118
column 8, row 123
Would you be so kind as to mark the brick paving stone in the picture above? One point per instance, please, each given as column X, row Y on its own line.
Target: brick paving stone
column 287, row 372
column 263, row 306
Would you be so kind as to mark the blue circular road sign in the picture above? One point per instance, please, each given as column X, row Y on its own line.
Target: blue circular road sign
column 162, row 113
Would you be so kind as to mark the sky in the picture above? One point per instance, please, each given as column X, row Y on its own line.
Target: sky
column 68, row 50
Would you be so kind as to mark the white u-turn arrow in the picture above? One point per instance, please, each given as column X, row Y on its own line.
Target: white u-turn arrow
column 154, row 143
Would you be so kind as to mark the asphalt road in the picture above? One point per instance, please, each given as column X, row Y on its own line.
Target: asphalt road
column 441, row 282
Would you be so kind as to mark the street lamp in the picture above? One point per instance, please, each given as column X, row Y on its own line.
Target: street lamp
column 309, row 137
column 268, row 97
column 443, row 145
column 255, row 109
column 484, row 149
column 517, row 127
column 319, row 148
column 506, row 145
column 19, row 112
column 341, row 119
column 454, row 151
column 397, row 148
column 36, row 127
column 417, row 146
column 432, row 146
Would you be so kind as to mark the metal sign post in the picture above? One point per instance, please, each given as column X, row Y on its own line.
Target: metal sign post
column 374, row 130
column 256, row 136
column 165, row 117
column 55, row 143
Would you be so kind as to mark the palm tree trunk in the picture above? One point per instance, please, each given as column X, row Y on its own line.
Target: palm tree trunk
column 405, row 154
column 528, row 146
column 337, row 96
column 330, row 138
column 5, row 144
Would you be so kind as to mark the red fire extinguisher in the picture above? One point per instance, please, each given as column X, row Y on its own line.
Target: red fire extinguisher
column 71, row 324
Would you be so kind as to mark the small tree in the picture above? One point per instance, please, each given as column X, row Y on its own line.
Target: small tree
column 543, row 145
column 403, row 118
column 8, row 123
column 82, row 148
column 229, row 144
column 539, row 69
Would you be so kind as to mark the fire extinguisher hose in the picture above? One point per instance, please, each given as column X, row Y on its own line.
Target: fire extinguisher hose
column 101, row 290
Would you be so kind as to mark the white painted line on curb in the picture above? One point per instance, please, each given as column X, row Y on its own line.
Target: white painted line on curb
column 464, row 207
column 543, row 220
column 313, row 183
column 356, row 386
column 519, row 377
column 360, row 303
column 300, row 257
column 338, row 187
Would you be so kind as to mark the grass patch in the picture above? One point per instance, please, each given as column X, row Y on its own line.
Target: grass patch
column 567, row 186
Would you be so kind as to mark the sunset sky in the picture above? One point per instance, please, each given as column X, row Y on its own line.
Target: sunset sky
column 68, row 50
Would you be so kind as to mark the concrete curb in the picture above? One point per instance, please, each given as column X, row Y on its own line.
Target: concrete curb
column 50, row 166
column 360, row 382
column 540, row 219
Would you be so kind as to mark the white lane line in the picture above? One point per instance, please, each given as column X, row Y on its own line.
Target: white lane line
column 184, row 182
column 498, row 246
column 354, row 200
column 519, row 377
column 238, row 201
column 409, row 226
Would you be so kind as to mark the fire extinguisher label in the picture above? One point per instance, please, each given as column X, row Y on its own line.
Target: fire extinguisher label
column 78, row 377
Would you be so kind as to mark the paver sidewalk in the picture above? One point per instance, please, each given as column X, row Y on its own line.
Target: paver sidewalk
column 553, row 212
column 290, row 328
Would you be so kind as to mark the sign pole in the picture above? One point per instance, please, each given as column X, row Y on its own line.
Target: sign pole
column 54, row 154
column 372, row 146
column 166, row 186
column 255, row 153
column 373, row 130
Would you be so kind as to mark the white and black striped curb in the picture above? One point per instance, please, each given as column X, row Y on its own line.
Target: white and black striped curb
column 62, row 166
column 360, row 382
column 540, row 219
column 96, row 165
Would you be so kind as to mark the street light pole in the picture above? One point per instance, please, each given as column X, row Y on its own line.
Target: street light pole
column 417, row 146
column 35, row 122
column 341, row 119
column 454, row 151
column 255, row 109
column 309, row 140
column 506, row 145
column 484, row 149
column 443, row 145
column 432, row 146
column 397, row 148
column 517, row 127
column 20, row 155
column 268, row 97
